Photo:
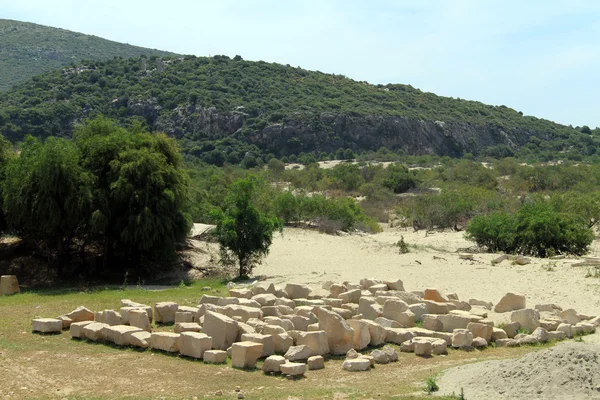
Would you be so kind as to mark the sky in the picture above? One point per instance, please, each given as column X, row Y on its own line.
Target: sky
column 539, row 57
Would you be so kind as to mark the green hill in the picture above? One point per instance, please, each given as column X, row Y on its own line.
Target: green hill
column 28, row 49
column 221, row 108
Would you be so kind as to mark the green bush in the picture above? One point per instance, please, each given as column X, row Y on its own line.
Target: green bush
column 537, row 229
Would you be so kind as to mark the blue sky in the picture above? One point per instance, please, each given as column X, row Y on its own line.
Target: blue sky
column 540, row 57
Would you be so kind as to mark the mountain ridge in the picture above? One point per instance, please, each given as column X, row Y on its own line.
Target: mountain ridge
column 28, row 49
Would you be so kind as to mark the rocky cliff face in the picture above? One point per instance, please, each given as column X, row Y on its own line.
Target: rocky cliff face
column 329, row 131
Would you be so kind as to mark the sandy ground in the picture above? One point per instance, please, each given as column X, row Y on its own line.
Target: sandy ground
column 312, row 258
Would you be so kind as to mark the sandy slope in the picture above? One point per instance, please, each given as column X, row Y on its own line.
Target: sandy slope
column 310, row 257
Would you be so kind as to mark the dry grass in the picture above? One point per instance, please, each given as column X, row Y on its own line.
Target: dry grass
column 55, row 366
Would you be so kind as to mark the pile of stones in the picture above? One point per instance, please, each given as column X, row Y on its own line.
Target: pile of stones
column 293, row 327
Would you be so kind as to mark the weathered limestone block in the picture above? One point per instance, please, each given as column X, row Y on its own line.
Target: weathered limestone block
column 316, row 341
column 221, row 328
column 9, row 284
column 164, row 312
column 486, row 304
column 419, row 309
column 266, row 340
column 434, row 307
column 570, row 316
column 300, row 352
column 119, row 334
column 265, row 299
column 351, row 296
column 165, row 341
column 339, row 334
column 299, row 322
column 434, row 295
column 46, row 325
column 431, row 322
column 387, row 323
column 147, row 308
column 244, row 312
column 315, row 363
column 423, row 348
column 377, row 332
column 344, row 312
column 241, row 293
column 181, row 327
column 395, row 285
column 567, row 329
column 368, row 307
column 450, row 322
column 510, row 302
column 112, row 317
column 93, row 331
column 184, row 316
column 262, row 288
column 139, row 319
column 362, row 337
column 541, row 335
column 271, row 311
column 398, row 335
column 481, row 330
column 336, row 289
column 585, row 327
column 297, row 291
column 391, row 353
column 528, row 318
column 245, row 354
column 506, row 342
column 511, row 329
column 556, row 335
column 273, row 363
column 140, row 339
column 293, row 369
column 380, row 357
column 226, row 301
column 282, row 342
column 208, row 299
column 80, row 314
column 479, row 342
column 76, row 329
column 356, row 365
column 498, row 333
column 244, row 328
column 215, row 356
column 462, row 338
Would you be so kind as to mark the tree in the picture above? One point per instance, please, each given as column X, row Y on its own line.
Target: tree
column 348, row 154
column 141, row 193
column 399, row 179
column 47, row 194
column 6, row 153
column 243, row 232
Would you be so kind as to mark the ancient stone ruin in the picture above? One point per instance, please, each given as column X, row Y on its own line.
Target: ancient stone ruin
column 291, row 328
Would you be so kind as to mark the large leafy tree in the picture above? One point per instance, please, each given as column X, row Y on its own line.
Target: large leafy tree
column 243, row 231
column 47, row 194
column 141, row 192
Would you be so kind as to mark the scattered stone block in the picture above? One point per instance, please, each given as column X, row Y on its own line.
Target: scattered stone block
column 140, row 339
column 119, row 334
column 462, row 338
column 528, row 318
column 485, row 304
column 316, row 362
column 94, row 331
column 66, row 321
column 263, row 288
column 297, row 291
column 46, row 325
column 339, row 334
column 139, row 319
column 380, row 357
column 479, row 342
column 317, row 341
column 497, row 334
column 423, row 348
column 215, row 356
column 570, row 316
column 419, row 309
column 296, row 353
column 80, row 314
column 265, row 299
column 506, row 343
column 208, row 299
column 398, row 335
column 499, row 259
column 510, row 302
column 184, row 316
column 221, row 328
column 282, row 342
column 181, row 327
column 147, row 308
column 376, row 332
column 165, row 341
column 112, row 317
column 391, row 353
column 450, row 322
column 556, row 335
column 244, row 312
column 245, row 354
column 164, row 312
column 511, row 329
column 362, row 337
column 267, row 341
column 585, row 327
column 395, row 285
column 387, row 323
column 567, row 329
column 293, row 369
column 273, row 364
column 350, row 296
column 356, row 365
column 481, row 330
column 76, row 329
column 520, row 260
column 241, row 293
column 9, row 285
column 434, row 307
column 434, row 295
column 432, row 323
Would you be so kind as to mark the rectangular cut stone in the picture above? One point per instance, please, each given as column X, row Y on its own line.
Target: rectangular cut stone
column 46, row 325
column 194, row 344
column 140, row 339
column 76, row 329
column 119, row 334
column 221, row 328
column 215, row 356
column 139, row 318
column 181, row 327
column 245, row 354
column 266, row 340
column 165, row 341
column 94, row 330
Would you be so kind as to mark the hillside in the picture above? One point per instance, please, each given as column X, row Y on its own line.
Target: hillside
column 221, row 108
column 27, row 50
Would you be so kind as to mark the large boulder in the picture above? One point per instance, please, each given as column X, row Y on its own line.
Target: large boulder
column 245, row 354
column 510, row 302
column 481, row 330
column 462, row 338
column 139, row 318
column 528, row 318
column 339, row 334
column 221, row 328
column 376, row 332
